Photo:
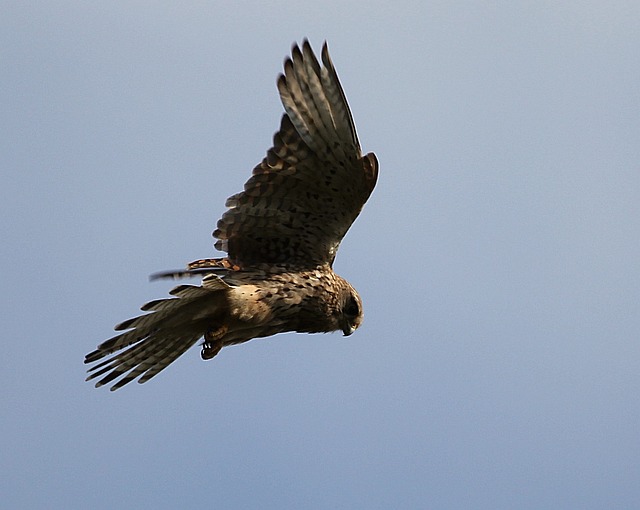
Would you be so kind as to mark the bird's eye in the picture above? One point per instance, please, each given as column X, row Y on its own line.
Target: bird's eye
column 352, row 309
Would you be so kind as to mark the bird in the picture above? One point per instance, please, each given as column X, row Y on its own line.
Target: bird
column 280, row 235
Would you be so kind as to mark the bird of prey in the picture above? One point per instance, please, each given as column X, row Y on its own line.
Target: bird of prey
column 281, row 235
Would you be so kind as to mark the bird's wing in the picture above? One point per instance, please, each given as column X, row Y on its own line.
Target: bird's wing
column 305, row 194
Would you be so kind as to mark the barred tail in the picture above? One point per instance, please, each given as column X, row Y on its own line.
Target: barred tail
column 158, row 338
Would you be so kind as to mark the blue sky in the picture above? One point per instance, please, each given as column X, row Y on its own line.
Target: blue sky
column 497, row 258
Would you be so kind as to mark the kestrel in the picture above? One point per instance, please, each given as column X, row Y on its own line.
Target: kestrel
column 281, row 235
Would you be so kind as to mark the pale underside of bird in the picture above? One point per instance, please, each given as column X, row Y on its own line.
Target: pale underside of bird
column 281, row 235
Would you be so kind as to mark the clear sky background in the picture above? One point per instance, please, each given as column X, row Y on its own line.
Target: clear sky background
column 498, row 366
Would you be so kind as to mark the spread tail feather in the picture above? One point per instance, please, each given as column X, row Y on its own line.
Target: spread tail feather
column 154, row 340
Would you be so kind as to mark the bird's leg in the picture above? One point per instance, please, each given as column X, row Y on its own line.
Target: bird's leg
column 213, row 341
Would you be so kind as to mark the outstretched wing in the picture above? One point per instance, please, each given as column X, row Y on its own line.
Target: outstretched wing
column 308, row 190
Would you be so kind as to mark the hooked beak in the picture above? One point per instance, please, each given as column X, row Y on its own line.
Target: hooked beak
column 348, row 330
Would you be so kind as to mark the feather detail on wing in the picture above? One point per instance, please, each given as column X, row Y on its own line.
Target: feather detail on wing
column 311, row 186
column 198, row 268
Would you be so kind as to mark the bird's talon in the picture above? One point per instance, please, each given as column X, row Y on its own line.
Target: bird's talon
column 213, row 342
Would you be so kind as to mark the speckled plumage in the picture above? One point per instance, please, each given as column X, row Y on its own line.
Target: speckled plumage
column 281, row 235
